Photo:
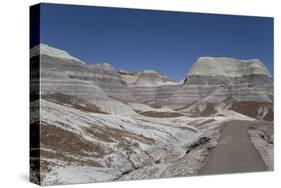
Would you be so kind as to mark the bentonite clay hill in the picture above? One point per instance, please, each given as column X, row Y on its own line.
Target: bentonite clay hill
column 216, row 85
column 99, row 123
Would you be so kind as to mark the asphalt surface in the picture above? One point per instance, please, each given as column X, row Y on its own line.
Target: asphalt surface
column 235, row 152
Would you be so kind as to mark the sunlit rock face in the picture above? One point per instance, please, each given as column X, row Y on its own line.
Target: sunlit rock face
column 62, row 73
column 228, row 67
column 224, row 82
column 43, row 49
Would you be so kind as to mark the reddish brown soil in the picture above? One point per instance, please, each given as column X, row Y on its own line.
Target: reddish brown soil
column 161, row 114
column 209, row 110
column 66, row 142
column 250, row 108
column 118, row 136
column 72, row 101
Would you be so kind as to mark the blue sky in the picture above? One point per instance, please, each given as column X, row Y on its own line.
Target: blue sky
column 167, row 42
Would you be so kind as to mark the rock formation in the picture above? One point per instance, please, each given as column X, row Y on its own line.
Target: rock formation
column 216, row 84
column 98, row 123
column 213, row 85
column 98, row 83
column 149, row 87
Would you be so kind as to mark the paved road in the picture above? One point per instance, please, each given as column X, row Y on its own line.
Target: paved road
column 235, row 152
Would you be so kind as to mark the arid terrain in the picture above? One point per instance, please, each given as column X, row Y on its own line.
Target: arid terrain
column 99, row 123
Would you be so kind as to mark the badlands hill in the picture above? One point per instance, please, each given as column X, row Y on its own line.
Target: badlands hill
column 149, row 87
column 98, row 123
column 214, row 86
column 228, row 67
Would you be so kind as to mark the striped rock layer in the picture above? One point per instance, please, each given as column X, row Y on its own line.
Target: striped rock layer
column 227, row 83
column 214, row 84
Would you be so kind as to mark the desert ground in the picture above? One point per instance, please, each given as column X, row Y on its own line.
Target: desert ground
column 99, row 123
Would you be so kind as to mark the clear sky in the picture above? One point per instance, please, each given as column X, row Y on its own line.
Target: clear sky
column 167, row 42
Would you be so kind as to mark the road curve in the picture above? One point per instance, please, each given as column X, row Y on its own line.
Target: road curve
column 235, row 152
